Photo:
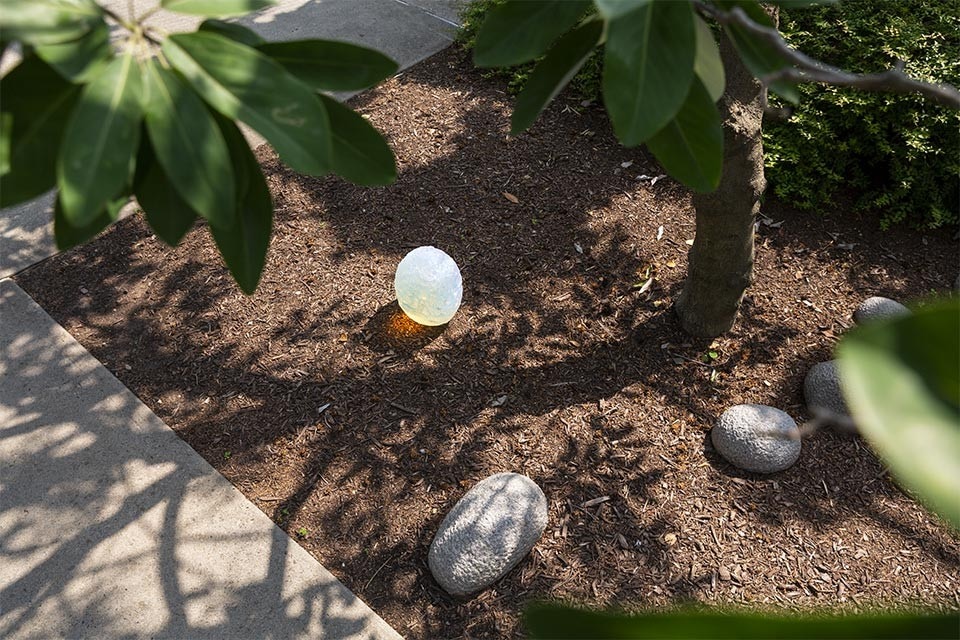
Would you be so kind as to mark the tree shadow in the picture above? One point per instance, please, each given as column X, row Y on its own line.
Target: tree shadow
column 559, row 365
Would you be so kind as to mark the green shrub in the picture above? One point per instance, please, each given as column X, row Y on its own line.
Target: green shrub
column 895, row 154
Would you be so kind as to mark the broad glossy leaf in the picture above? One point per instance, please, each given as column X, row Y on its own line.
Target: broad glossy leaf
column 37, row 102
column 360, row 154
column 562, row 623
column 553, row 73
column 648, row 68
column 188, row 145
column 902, row 383
column 67, row 236
column 708, row 65
column 761, row 58
column 99, row 147
column 690, row 147
column 216, row 8
column 327, row 65
column 6, row 129
column 38, row 22
column 81, row 59
column 244, row 84
column 234, row 31
column 522, row 30
column 611, row 9
column 244, row 246
column 168, row 214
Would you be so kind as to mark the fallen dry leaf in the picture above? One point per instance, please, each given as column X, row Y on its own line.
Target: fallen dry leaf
column 512, row 198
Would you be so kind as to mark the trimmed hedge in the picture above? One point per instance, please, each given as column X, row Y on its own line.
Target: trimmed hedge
column 898, row 155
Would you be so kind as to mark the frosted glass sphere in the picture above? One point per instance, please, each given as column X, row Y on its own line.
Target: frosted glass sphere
column 428, row 285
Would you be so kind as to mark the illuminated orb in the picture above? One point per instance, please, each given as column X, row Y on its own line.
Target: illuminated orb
column 428, row 285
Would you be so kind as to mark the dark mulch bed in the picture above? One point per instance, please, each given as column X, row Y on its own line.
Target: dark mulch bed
column 604, row 395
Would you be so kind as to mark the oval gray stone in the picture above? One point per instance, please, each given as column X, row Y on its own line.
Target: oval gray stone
column 821, row 389
column 757, row 438
column 878, row 308
column 491, row 528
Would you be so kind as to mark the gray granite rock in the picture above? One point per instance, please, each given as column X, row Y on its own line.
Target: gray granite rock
column 878, row 308
column 491, row 528
column 821, row 389
column 757, row 438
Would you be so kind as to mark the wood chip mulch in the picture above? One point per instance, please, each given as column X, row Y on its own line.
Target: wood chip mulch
column 344, row 421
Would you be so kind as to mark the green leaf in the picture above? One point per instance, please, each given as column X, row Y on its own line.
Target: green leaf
column 800, row 4
column 760, row 57
column 902, row 383
column 708, row 65
column 553, row 73
column 244, row 246
column 326, row 65
column 562, row 623
column 244, row 84
column 234, row 31
column 188, row 145
column 6, row 129
column 39, row 22
column 37, row 103
column 612, row 9
column 216, row 8
column 648, row 68
column 360, row 154
column 522, row 30
column 100, row 144
column 690, row 147
column 68, row 236
column 82, row 59
column 168, row 214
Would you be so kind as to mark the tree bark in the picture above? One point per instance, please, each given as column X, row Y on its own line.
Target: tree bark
column 721, row 260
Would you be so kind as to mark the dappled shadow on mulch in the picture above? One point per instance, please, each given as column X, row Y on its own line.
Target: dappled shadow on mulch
column 333, row 414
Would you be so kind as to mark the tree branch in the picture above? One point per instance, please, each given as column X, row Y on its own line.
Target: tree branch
column 807, row 69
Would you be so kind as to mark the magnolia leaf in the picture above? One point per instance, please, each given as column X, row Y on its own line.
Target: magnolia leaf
column 648, row 68
column 188, row 145
column 360, row 154
column 216, row 8
column 244, row 245
column 67, row 236
column 236, row 32
column 522, row 30
column 612, row 9
column 326, row 65
column 708, row 65
column 553, row 73
column 36, row 105
column 690, row 147
column 902, row 383
column 167, row 213
column 99, row 146
column 82, row 59
column 40, row 22
column 244, row 84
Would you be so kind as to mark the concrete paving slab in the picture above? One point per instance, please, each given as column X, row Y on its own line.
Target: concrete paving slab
column 406, row 30
column 112, row 527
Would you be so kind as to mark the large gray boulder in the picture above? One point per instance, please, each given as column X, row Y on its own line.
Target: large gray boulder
column 821, row 389
column 878, row 308
column 491, row 528
column 757, row 438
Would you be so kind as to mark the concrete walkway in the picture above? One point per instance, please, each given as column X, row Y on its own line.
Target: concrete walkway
column 110, row 525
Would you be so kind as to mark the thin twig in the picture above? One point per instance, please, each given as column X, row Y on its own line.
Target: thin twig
column 807, row 69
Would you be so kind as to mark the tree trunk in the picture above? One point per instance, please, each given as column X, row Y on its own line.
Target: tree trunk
column 721, row 260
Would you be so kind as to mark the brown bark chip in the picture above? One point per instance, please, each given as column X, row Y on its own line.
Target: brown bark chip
column 565, row 363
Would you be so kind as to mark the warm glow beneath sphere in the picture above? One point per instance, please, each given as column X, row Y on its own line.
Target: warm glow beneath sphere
column 428, row 285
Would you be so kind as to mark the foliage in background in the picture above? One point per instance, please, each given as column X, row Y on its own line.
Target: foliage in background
column 899, row 153
column 156, row 117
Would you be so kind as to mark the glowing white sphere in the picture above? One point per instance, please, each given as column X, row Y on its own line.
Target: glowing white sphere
column 429, row 286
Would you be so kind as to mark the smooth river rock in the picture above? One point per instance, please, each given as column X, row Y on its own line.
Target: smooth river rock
column 821, row 389
column 491, row 528
column 878, row 308
column 757, row 438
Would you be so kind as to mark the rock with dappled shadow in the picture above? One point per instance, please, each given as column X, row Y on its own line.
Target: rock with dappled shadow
column 821, row 390
column 757, row 438
column 878, row 308
column 487, row 533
